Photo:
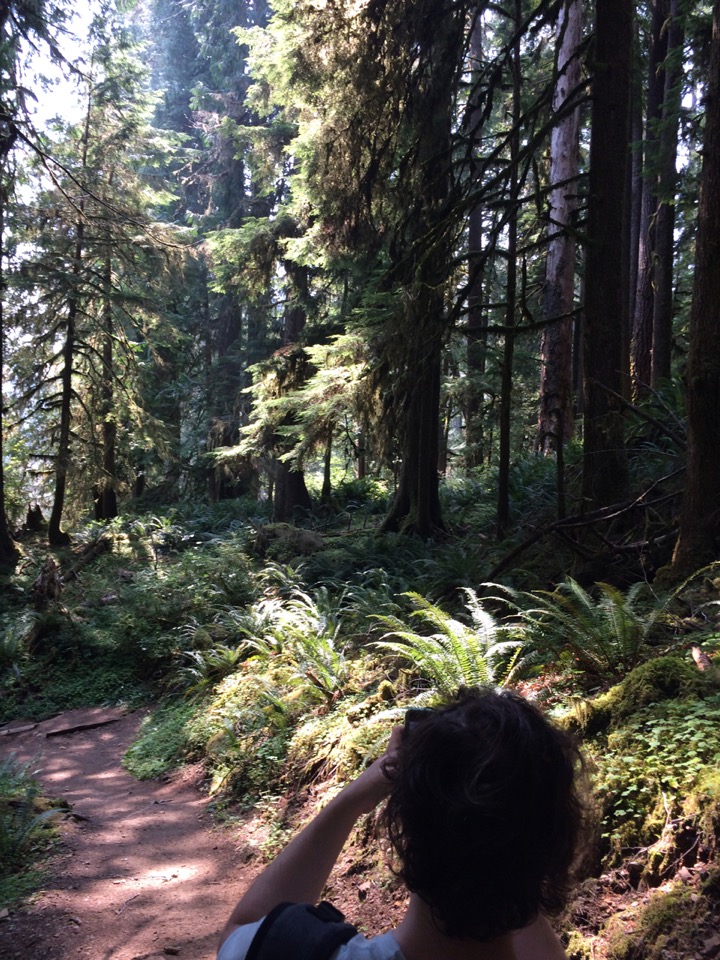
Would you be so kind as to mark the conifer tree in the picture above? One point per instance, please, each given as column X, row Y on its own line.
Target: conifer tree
column 699, row 522
column 605, row 469
column 34, row 23
column 90, row 238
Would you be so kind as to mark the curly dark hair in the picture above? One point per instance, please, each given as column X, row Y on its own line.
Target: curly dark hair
column 484, row 813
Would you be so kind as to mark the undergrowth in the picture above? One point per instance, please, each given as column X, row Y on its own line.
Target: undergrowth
column 277, row 674
column 163, row 742
column 25, row 831
column 651, row 771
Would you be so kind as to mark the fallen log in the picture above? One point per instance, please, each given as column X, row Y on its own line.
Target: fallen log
column 90, row 553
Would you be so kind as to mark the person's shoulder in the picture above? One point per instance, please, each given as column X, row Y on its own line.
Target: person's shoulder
column 383, row 947
column 311, row 931
column 238, row 943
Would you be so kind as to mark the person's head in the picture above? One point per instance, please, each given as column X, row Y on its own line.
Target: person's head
column 484, row 813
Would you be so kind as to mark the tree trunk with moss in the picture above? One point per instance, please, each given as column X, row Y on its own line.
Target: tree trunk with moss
column 421, row 268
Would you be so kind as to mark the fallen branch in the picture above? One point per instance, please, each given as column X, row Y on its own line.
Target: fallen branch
column 90, row 553
column 602, row 515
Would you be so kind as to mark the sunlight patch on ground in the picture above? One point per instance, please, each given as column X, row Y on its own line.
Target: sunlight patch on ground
column 158, row 876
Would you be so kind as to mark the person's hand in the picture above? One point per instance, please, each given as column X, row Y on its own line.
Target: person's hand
column 373, row 784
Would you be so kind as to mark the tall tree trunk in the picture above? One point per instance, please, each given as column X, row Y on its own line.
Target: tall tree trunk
column 555, row 419
column 422, row 270
column 635, row 170
column 476, row 346
column 106, row 505
column 642, row 320
column 416, row 508
column 9, row 553
column 291, row 493
column 605, row 469
column 699, row 535
column 503, row 504
column 56, row 536
column 225, row 391
column 326, row 491
column 667, row 186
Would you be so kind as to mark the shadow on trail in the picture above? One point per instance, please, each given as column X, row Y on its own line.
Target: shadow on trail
column 141, row 873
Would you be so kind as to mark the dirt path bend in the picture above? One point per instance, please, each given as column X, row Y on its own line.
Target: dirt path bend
column 141, row 874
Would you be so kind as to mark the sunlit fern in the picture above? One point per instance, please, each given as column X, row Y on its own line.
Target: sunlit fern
column 606, row 634
column 455, row 654
column 304, row 631
column 312, row 633
column 205, row 668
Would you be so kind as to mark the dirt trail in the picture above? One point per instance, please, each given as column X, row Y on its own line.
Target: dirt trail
column 141, row 874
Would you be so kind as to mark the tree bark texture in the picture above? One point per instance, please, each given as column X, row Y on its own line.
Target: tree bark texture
column 476, row 337
column 56, row 536
column 8, row 135
column 699, row 533
column 506, row 375
column 106, row 507
column 667, row 186
column 642, row 319
column 416, row 507
column 634, row 175
column 605, row 471
column 422, row 268
column 555, row 418
column 291, row 493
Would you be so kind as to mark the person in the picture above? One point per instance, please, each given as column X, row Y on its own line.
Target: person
column 484, row 815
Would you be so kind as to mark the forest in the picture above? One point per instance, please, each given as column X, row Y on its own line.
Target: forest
column 354, row 351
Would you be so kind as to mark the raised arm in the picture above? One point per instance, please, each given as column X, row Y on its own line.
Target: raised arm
column 300, row 871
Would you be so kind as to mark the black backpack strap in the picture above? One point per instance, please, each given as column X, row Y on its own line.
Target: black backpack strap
column 300, row 931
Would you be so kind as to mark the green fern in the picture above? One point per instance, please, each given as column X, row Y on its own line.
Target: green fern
column 208, row 667
column 455, row 654
column 607, row 635
column 20, row 820
column 304, row 631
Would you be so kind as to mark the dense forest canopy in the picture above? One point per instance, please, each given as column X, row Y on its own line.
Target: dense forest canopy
column 277, row 246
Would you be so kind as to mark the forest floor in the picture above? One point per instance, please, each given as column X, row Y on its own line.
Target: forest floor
column 142, row 871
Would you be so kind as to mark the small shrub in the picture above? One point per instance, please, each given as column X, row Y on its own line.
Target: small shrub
column 364, row 496
column 163, row 742
column 243, row 730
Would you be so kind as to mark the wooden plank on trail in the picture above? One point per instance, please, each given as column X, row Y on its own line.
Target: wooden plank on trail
column 82, row 719
column 16, row 726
